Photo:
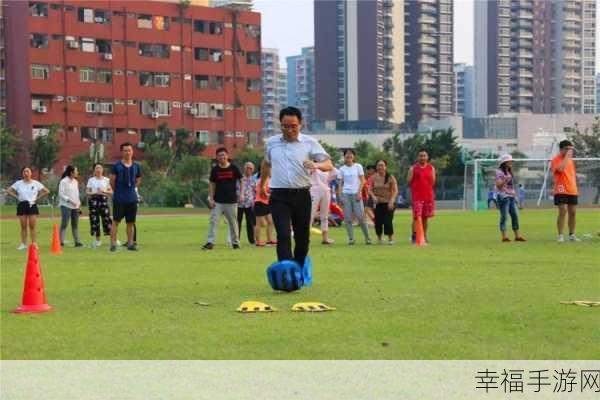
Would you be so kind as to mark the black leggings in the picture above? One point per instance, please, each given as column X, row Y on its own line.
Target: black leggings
column 250, row 222
column 384, row 219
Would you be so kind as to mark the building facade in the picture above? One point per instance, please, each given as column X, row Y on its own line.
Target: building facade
column 116, row 71
column 463, row 90
column 274, row 90
column 359, row 61
column 598, row 93
column 429, row 60
column 535, row 56
column 301, row 83
column 2, row 70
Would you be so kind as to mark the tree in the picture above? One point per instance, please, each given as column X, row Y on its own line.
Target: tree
column 84, row 164
column 44, row 150
column 334, row 153
column 10, row 153
column 588, row 145
column 249, row 154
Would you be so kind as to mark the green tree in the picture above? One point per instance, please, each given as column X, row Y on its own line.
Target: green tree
column 334, row 153
column 10, row 153
column 44, row 150
column 249, row 154
column 587, row 144
column 84, row 164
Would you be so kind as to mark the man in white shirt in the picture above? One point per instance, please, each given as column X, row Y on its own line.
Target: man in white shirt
column 289, row 159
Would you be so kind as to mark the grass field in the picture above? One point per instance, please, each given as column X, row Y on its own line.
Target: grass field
column 466, row 296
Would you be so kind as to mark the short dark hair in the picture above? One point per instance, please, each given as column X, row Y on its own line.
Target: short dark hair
column 564, row 143
column 221, row 149
column 125, row 145
column 290, row 111
column 371, row 166
column 351, row 151
column 423, row 150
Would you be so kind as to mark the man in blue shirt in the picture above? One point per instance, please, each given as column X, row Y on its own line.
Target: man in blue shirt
column 289, row 159
column 125, row 177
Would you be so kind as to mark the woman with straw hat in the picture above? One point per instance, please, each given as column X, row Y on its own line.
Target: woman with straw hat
column 506, row 194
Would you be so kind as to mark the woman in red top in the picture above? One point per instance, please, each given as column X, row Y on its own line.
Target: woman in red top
column 421, row 178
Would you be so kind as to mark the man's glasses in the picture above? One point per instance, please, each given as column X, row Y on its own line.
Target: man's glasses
column 289, row 127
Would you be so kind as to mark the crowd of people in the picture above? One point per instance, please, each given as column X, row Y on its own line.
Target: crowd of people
column 295, row 187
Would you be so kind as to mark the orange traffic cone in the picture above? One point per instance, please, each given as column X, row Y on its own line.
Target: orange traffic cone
column 34, row 296
column 55, row 248
column 419, row 233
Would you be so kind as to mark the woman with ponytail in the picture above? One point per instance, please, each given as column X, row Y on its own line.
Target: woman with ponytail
column 68, row 194
column 383, row 190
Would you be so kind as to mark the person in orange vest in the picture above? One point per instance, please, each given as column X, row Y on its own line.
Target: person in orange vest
column 565, row 189
column 421, row 178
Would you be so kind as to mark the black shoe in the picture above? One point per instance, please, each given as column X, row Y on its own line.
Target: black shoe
column 78, row 244
column 132, row 247
column 113, row 248
column 236, row 246
column 208, row 246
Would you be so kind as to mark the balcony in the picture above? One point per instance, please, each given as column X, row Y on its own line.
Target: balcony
column 572, row 17
column 427, row 100
column 570, row 55
column 429, row 50
column 427, row 39
column 525, row 93
column 427, row 80
column 525, row 15
column 425, row 19
column 430, row 90
column 427, row 60
column 428, row 9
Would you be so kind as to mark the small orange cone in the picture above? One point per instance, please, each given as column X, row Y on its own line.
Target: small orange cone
column 55, row 248
column 34, row 296
column 419, row 233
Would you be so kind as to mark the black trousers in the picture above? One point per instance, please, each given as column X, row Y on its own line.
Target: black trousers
column 291, row 208
column 384, row 219
column 250, row 222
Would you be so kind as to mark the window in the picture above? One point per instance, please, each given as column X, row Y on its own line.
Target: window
column 202, row 136
column 91, row 107
column 88, row 133
column 147, row 134
column 88, row 45
column 154, row 50
column 106, row 135
column 87, row 75
column 202, row 110
column 163, row 107
column 216, row 111
column 101, row 17
column 38, row 9
column 36, row 103
column 199, row 26
column 200, row 54
column 216, row 55
column 104, row 76
column 253, row 58
column 85, row 15
column 144, row 21
column 215, row 28
column 253, row 85
column 145, row 78
column 253, row 112
column 38, row 41
column 160, row 23
column 216, row 82
column 162, row 79
column 105, row 108
column 103, row 46
column 252, row 31
column 40, row 71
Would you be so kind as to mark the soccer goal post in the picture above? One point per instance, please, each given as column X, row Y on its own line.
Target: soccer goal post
column 533, row 181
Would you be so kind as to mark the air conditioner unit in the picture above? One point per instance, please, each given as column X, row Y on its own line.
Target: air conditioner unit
column 42, row 109
column 193, row 111
column 154, row 115
column 72, row 44
column 107, row 56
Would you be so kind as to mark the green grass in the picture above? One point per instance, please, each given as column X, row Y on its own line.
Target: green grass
column 466, row 296
column 10, row 210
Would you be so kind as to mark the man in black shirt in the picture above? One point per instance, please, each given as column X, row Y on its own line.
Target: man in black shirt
column 222, row 198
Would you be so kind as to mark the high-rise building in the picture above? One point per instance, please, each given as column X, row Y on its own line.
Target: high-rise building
column 463, row 89
column 274, row 90
column 535, row 56
column 429, row 59
column 359, row 61
column 117, row 71
column 301, row 83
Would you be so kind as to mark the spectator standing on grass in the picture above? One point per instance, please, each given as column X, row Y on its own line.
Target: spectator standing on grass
column 98, row 190
column 352, row 180
column 27, row 191
column 125, row 177
column 565, row 189
column 521, row 193
column 246, row 202
column 421, row 178
column 491, row 198
column 70, row 204
column 506, row 197
column 367, row 200
column 264, row 219
column 222, row 198
column 383, row 191
column 289, row 160
column 320, row 193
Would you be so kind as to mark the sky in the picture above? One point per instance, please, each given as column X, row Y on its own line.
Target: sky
column 288, row 26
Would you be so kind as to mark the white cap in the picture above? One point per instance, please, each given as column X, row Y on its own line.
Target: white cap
column 504, row 158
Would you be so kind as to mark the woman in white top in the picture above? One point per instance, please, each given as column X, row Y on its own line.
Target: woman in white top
column 27, row 191
column 98, row 190
column 320, row 194
column 68, row 194
column 352, row 180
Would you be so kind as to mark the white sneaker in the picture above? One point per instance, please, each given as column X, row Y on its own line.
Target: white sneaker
column 574, row 238
column 391, row 242
column 96, row 244
column 118, row 243
column 560, row 239
column 22, row 246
